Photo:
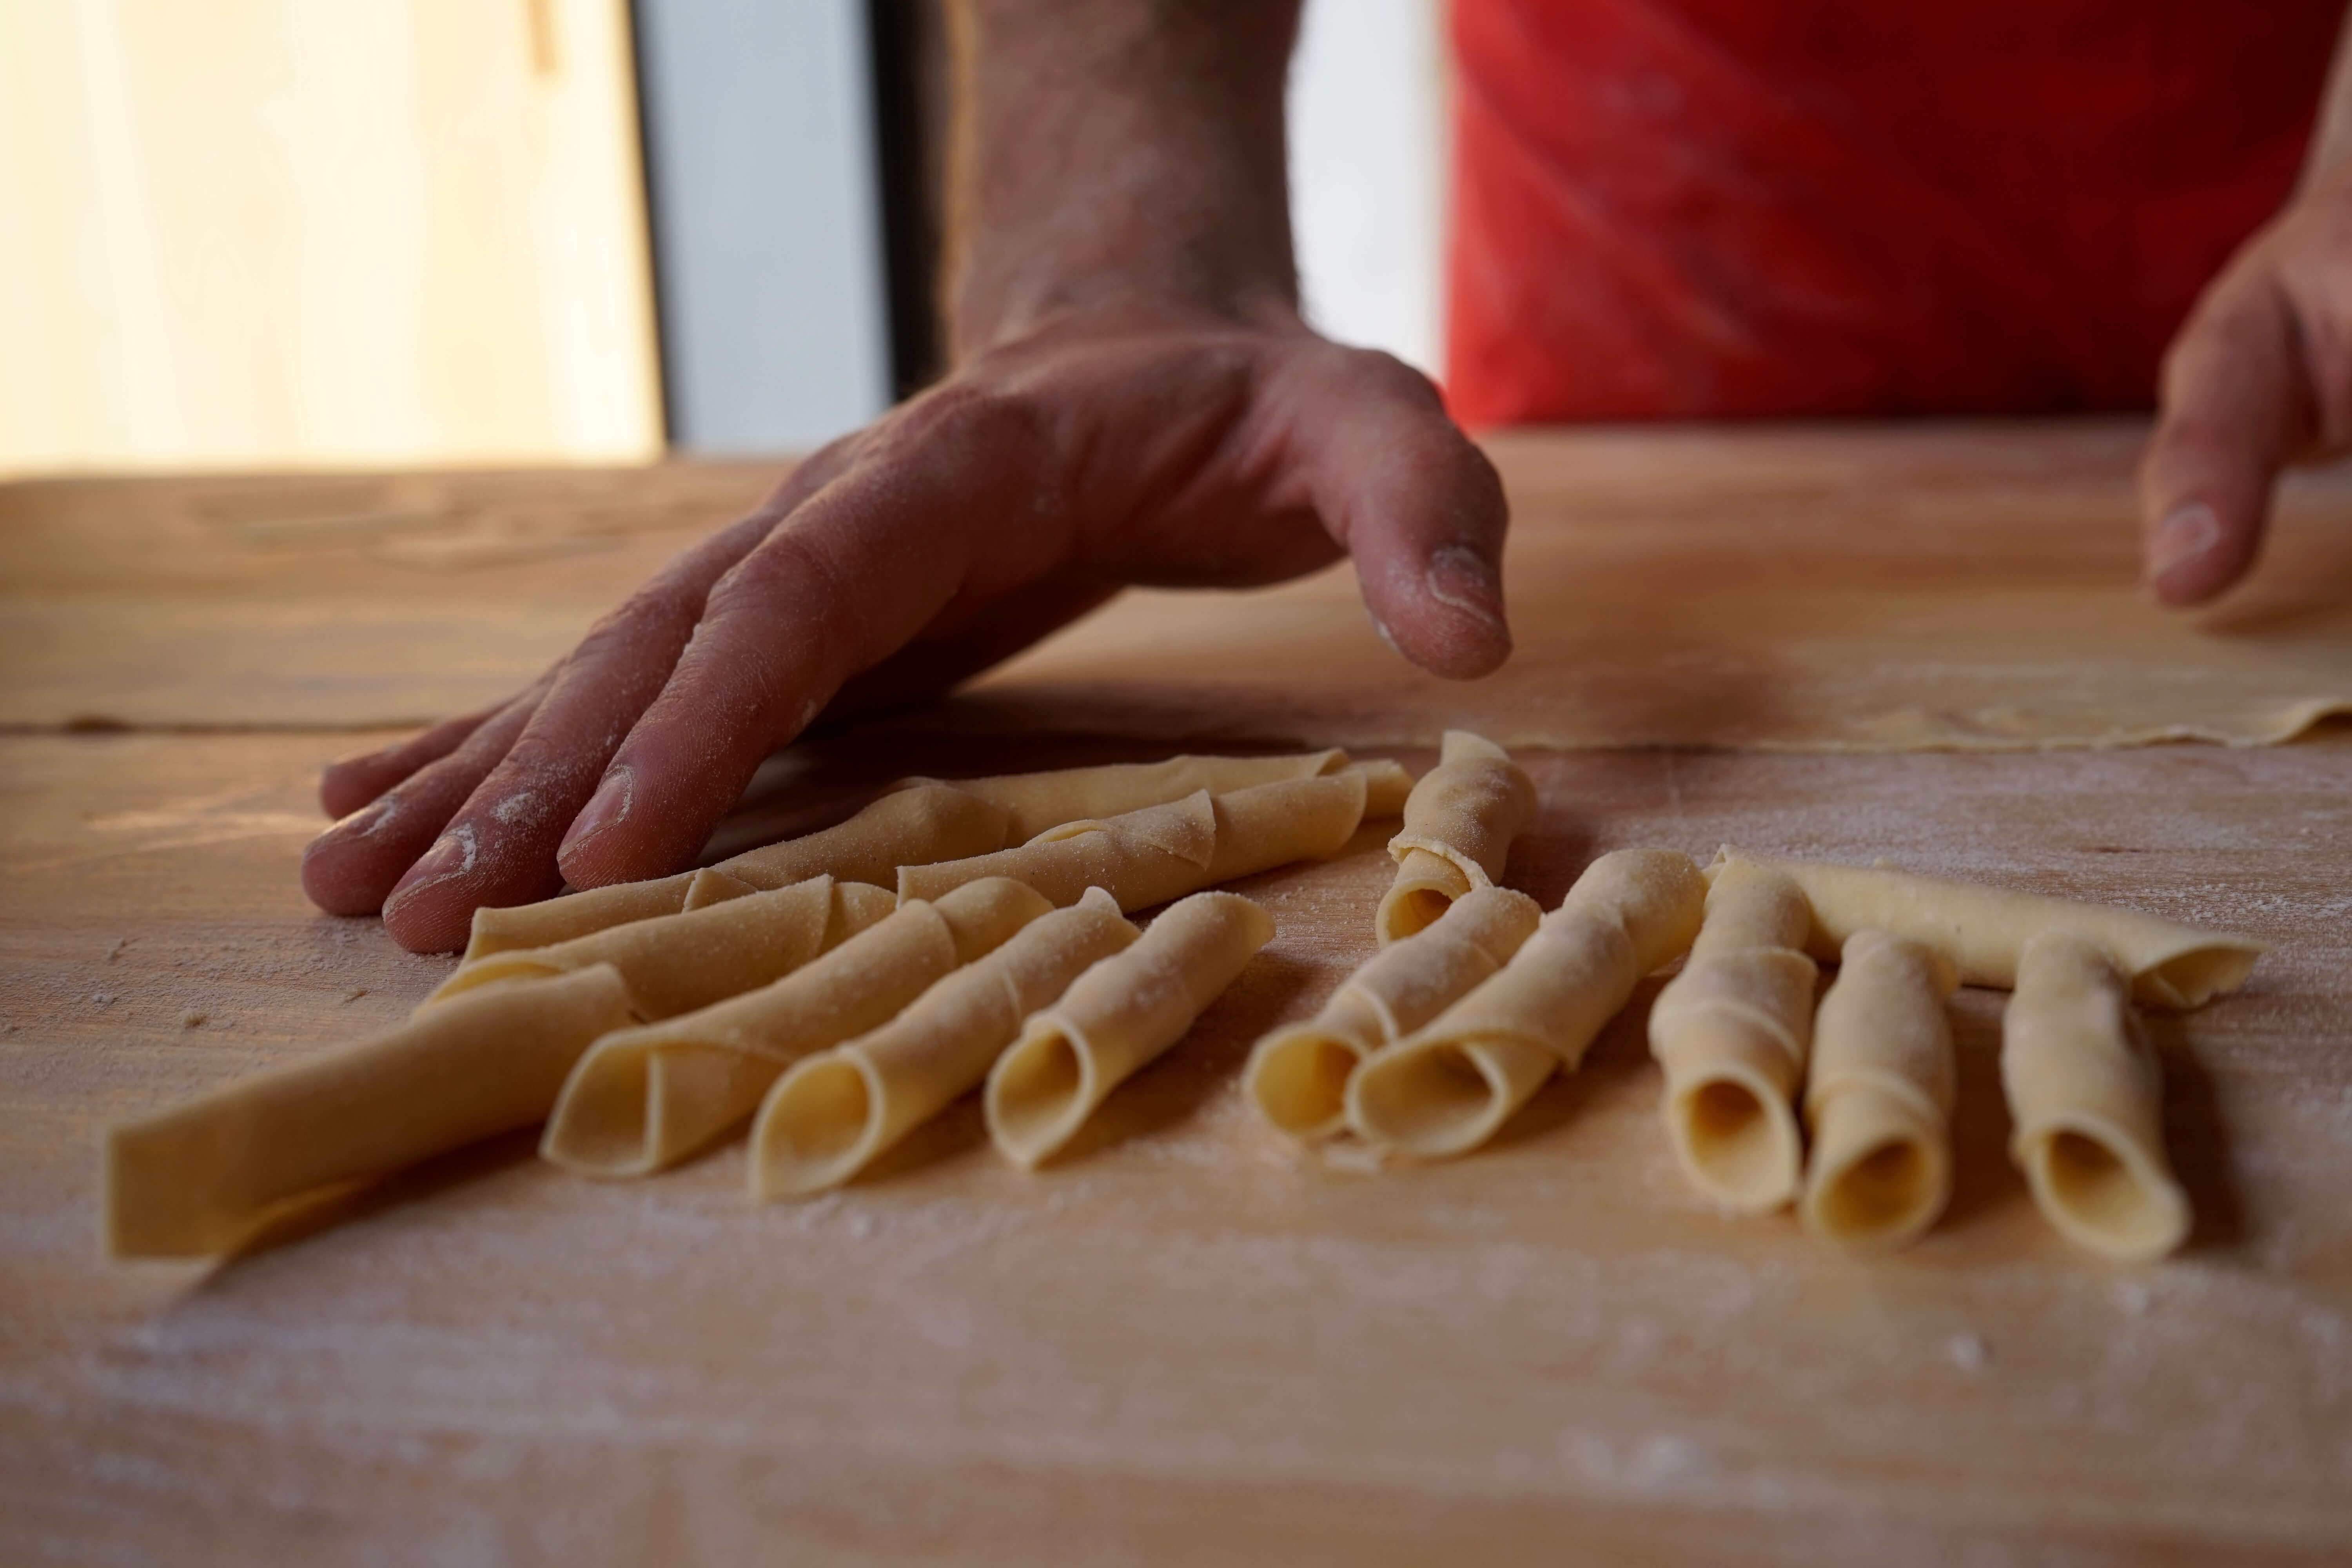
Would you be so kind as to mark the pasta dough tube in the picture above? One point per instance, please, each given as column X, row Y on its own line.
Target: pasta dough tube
column 200, row 1177
column 925, row 822
column 1731, row 1032
column 676, row 963
column 1449, row 1087
column 1458, row 826
column 1115, row 1018
column 1163, row 852
column 1982, row 930
column 1038, row 802
column 1879, row 1099
column 833, row 1112
column 1298, row 1077
column 643, row 1098
column 2084, row 1099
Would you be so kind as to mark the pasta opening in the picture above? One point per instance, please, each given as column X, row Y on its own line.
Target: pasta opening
column 1035, row 1096
column 816, row 1126
column 2111, row 1204
column 1742, row 1149
column 1434, row 1100
column 600, row 1124
column 1300, row 1082
column 1881, row 1192
column 2194, row 978
column 1412, row 911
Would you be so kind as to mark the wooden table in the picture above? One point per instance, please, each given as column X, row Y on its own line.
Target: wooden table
column 1191, row 1341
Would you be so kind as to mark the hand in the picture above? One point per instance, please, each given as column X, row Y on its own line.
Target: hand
column 2258, row 378
column 1162, row 446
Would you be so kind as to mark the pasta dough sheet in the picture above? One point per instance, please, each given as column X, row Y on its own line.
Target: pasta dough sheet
column 643, row 1098
column 1731, row 1032
column 2084, row 1096
column 1163, row 852
column 1842, row 591
column 834, row 1112
column 1450, row 1086
column 1297, row 1076
column 1459, row 823
column 676, row 963
column 200, row 1177
column 1114, row 1019
column 1982, row 930
column 1880, row 1097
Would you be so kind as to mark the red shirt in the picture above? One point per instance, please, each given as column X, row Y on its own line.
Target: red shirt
column 1700, row 208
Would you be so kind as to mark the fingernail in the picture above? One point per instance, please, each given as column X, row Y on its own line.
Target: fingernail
column 2188, row 532
column 1462, row 579
column 452, row 855
column 608, row 808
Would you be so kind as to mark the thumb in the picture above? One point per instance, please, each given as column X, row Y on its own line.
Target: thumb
column 1422, row 513
column 2232, row 405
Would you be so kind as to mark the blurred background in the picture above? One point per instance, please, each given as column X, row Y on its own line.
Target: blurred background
column 284, row 234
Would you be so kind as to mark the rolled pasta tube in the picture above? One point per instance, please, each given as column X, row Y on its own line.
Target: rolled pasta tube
column 1450, row 1086
column 1297, row 1076
column 643, row 1098
column 1982, row 930
column 833, row 1112
column 925, row 822
column 1115, row 1018
column 1731, row 1032
column 1459, row 823
column 1879, row 1097
column 2084, row 1097
column 1163, row 852
column 1040, row 802
column 676, row 963
column 200, row 1177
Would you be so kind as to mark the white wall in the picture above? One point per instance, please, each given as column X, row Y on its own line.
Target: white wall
column 767, row 220
column 1365, row 172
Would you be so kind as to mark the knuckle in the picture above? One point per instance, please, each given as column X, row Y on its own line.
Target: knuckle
column 990, row 417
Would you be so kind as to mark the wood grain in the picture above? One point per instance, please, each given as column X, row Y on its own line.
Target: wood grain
column 294, row 232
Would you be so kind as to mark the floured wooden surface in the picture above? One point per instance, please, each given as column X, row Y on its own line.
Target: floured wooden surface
column 1968, row 586
column 1832, row 590
column 325, row 600
column 1189, row 1340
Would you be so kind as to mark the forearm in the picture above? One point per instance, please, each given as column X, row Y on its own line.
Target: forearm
column 1109, row 151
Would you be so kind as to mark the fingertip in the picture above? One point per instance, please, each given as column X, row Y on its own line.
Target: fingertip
column 350, row 783
column 2195, row 551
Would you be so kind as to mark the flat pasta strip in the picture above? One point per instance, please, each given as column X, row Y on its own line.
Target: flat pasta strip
column 1982, row 930
column 924, row 822
column 200, row 1178
column 1459, row 823
column 1879, row 1100
column 678, row 963
column 1297, row 1075
column 1163, row 852
column 2084, row 1103
column 1114, row 1019
column 834, row 1112
column 1731, row 1032
column 1450, row 1086
column 643, row 1098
